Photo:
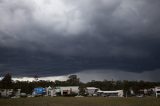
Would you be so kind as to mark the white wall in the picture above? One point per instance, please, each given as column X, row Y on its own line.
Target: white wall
column 71, row 89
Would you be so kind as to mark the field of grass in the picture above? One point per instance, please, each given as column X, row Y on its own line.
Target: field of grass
column 84, row 101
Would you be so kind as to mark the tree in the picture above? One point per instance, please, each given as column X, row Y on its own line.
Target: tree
column 7, row 81
column 36, row 77
column 73, row 80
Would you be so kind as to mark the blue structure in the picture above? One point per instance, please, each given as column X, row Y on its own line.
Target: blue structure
column 39, row 91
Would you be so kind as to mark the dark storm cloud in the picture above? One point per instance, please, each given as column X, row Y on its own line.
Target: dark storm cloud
column 61, row 37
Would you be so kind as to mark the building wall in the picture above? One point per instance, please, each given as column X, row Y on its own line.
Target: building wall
column 69, row 90
column 120, row 93
column 50, row 91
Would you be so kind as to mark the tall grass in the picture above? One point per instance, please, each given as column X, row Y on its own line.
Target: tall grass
column 85, row 101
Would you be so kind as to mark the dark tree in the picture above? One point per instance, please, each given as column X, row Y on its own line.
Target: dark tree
column 7, row 81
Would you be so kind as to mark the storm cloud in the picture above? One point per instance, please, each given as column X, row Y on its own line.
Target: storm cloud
column 57, row 37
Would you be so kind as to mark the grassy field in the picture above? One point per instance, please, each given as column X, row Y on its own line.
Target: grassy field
column 84, row 101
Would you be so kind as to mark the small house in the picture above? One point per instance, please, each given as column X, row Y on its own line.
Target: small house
column 157, row 91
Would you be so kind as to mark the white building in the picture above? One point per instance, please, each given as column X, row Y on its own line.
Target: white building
column 91, row 91
column 157, row 91
column 67, row 90
column 6, row 92
column 50, row 91
column 117, row 93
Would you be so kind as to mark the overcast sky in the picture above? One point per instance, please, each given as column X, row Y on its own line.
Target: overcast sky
column 105, row 38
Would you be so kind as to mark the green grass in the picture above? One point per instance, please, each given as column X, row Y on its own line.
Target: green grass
column 85, row 101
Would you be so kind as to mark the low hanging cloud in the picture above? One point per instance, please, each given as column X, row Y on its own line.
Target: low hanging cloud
column 61, row 37
column 100, row 75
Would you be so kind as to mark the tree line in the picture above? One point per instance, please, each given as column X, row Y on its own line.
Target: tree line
column 127, row 86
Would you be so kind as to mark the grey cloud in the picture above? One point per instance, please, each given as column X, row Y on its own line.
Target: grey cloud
column 106, row 23
column 109, row 34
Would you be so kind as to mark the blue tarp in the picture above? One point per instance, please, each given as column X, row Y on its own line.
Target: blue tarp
column 40, row 90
